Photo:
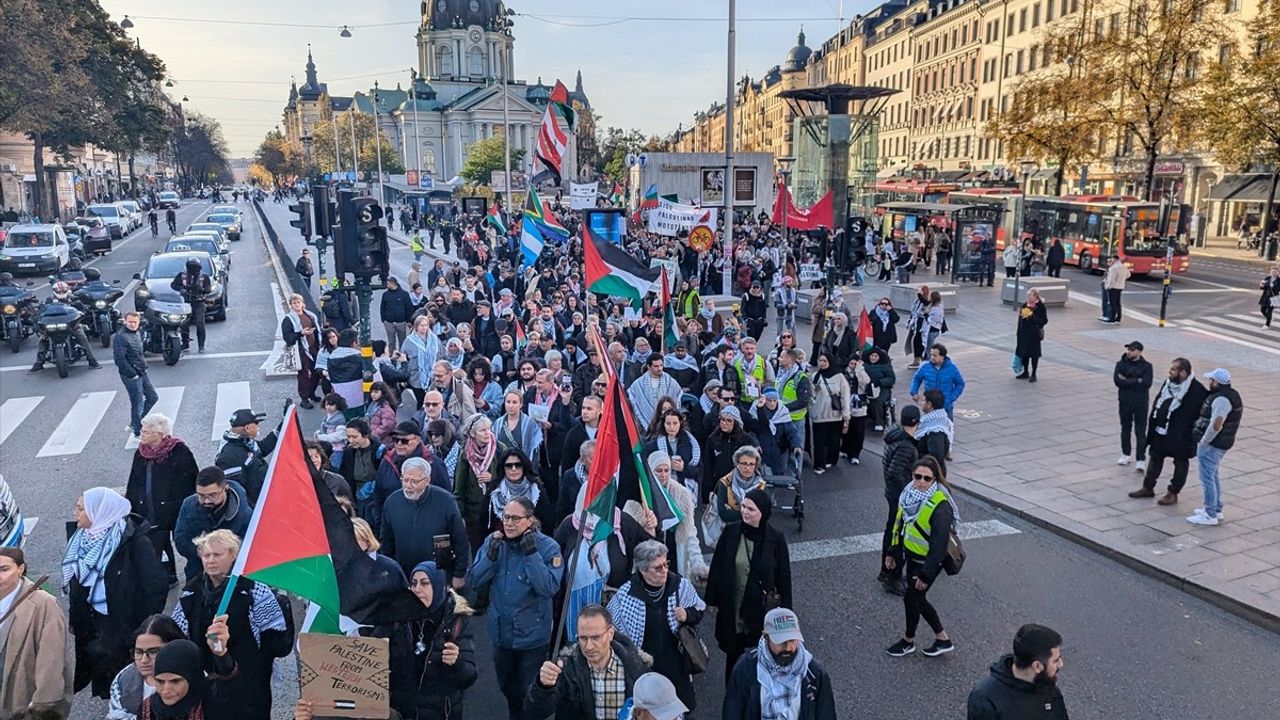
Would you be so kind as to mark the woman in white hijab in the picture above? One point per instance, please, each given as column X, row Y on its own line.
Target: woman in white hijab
column 114, row 580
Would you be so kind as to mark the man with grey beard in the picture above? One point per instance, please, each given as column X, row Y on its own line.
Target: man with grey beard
column 421, row 522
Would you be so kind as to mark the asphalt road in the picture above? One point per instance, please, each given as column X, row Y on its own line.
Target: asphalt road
column 1134, row 647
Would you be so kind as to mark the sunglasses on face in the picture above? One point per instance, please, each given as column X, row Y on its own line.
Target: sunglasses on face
column 512, row 465
column 403, row 440
column 918, row 476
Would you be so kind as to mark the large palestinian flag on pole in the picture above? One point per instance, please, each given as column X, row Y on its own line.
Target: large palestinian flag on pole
column 610, row 270
column 669, row 336
column 865, row 336
column 300, row 541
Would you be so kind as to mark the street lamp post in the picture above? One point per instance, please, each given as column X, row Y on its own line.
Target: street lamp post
column 728, row 240
column 1027, row 166
column 417, row 143
column 377, row 144
column 503, row 25
column 784, row 169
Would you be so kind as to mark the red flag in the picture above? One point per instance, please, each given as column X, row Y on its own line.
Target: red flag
column 865, row 336
column 818, row 215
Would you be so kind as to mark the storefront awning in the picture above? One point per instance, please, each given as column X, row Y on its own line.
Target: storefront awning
column 883, row 173
column 1230, row 186
column 1256, row 191
column 1045, row 173
column 405, row 188
column 949, row 175
column 974, row 176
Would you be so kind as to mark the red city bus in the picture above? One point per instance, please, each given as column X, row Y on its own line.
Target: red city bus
column 908, row 190
column 1010, row 199
column 1094, row 227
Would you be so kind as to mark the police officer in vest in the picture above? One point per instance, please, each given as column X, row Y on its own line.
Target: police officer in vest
column 193, row 284
column 795, row 390
column 1215, row 433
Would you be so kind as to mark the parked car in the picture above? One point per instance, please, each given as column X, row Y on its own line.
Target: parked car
column 162, row 268
column 168, row 199
column 13, row 529
column 34, row 249
column 135, row 211
column 225, row 209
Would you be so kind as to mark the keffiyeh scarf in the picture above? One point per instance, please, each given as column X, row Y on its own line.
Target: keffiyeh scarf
column 780, row 685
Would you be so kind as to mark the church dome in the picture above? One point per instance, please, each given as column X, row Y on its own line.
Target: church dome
column 798, row 56
column 540, row 94
column 464, row 13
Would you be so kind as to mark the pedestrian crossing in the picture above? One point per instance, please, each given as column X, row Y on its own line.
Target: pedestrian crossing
column 1243, row 329
column 79, row 424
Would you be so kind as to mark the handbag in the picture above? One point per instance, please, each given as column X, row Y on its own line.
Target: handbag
column 695, row 653
column 1016, row 365
column 712, row 525
column 954, row 561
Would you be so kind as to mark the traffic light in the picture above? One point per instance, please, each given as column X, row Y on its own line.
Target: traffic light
column 303, row 222
column 345, row 259
column 371, row 255
column 322, row 210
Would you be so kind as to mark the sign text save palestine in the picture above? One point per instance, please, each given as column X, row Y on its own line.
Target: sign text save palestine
column 345, row 677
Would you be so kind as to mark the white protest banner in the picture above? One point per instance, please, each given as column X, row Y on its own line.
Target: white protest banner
column 670, row 218
column 582, row 195
column 809, row 272
column 673, row 273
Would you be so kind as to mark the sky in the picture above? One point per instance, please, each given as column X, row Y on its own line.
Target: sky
column 651, row 73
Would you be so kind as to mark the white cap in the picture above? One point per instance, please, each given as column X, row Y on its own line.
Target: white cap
column 655, row 693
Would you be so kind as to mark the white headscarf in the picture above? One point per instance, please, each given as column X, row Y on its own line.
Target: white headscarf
column 90, row 549
column 104, row 507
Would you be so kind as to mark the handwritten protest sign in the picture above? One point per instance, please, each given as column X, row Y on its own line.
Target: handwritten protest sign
column 347, row 677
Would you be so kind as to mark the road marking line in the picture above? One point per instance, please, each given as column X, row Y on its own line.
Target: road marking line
column 185, row 358
column 1185, row 291
column 1089, row 299
column 1253, row 327
column 167, row 405
column 232, row 396
column 871, row 542
column 1182, row 278
column 13, row 412
column 73, row 433
column 1197, row 327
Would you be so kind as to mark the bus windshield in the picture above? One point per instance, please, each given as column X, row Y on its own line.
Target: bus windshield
column 1142, row 236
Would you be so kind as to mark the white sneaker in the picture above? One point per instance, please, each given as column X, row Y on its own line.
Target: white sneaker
column 1202, row 519
column 1141, row 466
column 879, row 428
column 1124, row 460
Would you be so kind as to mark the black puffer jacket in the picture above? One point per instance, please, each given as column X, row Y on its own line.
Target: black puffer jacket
column 900, row 453
column 1001, row 696
column 173, row 479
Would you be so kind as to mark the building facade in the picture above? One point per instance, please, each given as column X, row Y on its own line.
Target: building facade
column 465, row 76
column 955, row 64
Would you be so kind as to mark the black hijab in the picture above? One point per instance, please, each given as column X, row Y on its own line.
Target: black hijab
column 764, row 504
column 182, row 658
column 832, row 370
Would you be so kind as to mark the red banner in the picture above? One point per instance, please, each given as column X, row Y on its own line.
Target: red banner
column 819, row 215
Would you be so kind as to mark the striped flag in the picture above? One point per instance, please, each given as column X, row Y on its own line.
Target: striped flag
column 550, row 150
column 650, row 197
column 495, row 219
column 610, row 270
column 618, row 193
column 548, row 225
column 531, row 243
column 560, row 97
column 669, row 338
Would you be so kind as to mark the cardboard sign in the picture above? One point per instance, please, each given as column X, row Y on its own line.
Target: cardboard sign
column 582, row 195
column 347, row 677
column 809, row 272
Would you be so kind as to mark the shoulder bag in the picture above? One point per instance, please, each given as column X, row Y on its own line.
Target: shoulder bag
column 712, row 525
column 696, row 656
column 954, row 561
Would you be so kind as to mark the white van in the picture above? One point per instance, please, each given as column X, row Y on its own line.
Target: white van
column 32, row 249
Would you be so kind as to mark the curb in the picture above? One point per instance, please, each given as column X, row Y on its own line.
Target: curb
column 1023, row 510
column 1228, row 255
column 273, row 367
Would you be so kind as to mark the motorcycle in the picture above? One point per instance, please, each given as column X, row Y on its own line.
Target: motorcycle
column 16, row 307
column 100, row 298
column 164, row 317
column 56, row 324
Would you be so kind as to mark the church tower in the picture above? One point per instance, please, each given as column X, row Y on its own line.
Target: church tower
column 459, row 41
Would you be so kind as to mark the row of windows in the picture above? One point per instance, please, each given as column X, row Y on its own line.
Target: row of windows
column 958, row 71
column 1030, row 18
column 888, row 55
column 946, row 42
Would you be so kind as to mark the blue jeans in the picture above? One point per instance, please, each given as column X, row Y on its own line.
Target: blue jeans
column 1209, row 458
column 142, row 397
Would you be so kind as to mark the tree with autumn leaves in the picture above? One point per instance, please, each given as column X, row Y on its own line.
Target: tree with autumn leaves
column 1240, row 108
column 1126, row 80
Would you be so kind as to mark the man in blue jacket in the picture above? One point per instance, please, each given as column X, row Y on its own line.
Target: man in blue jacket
column 938, row 374
column 521, row 568
column 395, row 310
column 218, row 504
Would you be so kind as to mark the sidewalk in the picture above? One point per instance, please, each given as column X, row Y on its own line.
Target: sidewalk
column 1047, row 452
column 1227, row 248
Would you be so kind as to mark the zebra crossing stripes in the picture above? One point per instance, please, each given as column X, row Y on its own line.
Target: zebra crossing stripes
column 1244, row 329
column 73, row 433
column 14, row 411
column 231, row 397
column 170, row 399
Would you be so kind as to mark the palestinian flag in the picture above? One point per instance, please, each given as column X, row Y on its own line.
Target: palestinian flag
column 300, row 541
column 547, row 224
column 611, row 271
column 669, row 337
column 520, row 338
column 650, row 200
column 494, row 217
column 560, row 98
column 550, row 149
column 865, row 338
column 618, row 193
